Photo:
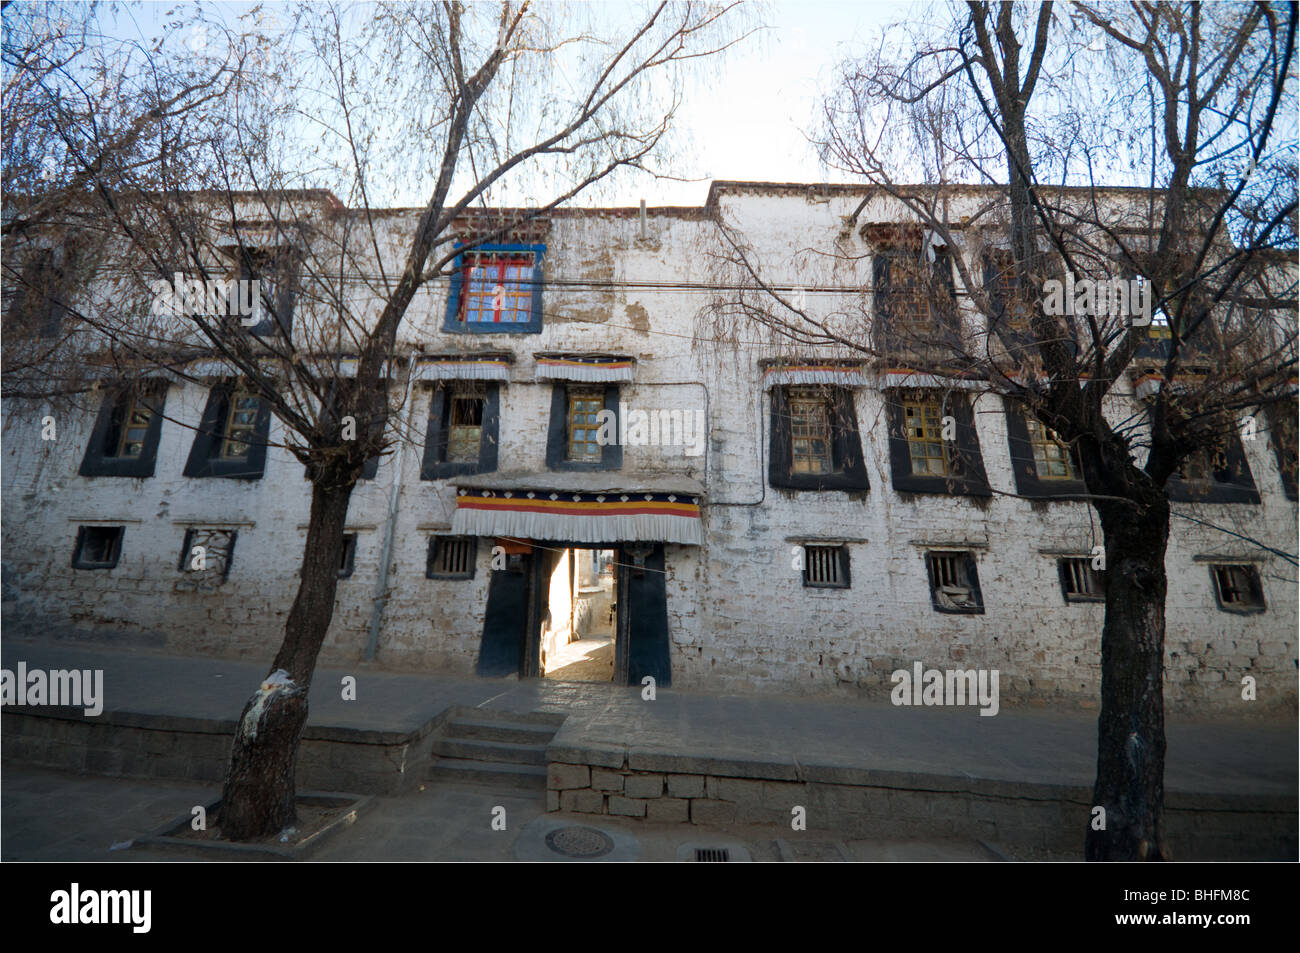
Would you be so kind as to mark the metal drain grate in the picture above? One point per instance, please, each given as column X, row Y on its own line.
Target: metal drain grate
column 584, row 842
column 713, row 855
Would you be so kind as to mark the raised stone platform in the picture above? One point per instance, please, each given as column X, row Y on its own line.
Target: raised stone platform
column 171, row 747
column 860, row 769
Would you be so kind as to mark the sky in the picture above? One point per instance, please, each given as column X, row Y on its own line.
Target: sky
column 747, row 120
column 751, row 122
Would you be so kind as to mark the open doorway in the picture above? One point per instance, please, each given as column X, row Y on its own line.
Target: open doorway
column 579, row 627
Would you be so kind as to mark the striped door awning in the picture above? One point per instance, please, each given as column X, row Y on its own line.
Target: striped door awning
column 578, row 517
column 591, row 368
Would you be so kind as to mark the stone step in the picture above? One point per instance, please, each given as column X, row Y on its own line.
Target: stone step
column 500, row 730
column 498, row 773
column 475, row 749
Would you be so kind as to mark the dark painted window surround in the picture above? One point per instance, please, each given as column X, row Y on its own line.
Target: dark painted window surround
column 204, row 460
column 434, row 557
column 450, row 320
column 348, row 562
column 104, row 437
column 1257, row 603
column 972, row 577
column 557, row 432
column 111, row 534
column 841, row 555
column 848, row 466
column 1028, row 482
column 1234, row 484
column 277, row 319
column 435, row 465
column 1284, row 449
column 968, row 479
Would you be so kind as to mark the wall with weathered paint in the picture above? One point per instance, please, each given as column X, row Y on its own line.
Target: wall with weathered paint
column 739, row 616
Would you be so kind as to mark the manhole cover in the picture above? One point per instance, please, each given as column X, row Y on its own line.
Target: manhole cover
column 579, row 842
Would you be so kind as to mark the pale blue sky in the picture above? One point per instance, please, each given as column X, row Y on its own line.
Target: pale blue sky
column 750, row 122
column 746, row 121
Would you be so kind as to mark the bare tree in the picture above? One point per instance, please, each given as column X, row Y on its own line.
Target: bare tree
column 1003, row 120
column 469, row 104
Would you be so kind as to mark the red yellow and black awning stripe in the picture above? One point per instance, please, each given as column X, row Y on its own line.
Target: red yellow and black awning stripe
column 579, row 517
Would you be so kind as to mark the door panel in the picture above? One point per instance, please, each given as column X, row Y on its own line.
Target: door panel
column 643, row 618
column 501, row 650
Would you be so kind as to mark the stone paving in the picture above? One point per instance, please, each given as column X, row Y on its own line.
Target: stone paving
column 56, row 816
column 1027, row 745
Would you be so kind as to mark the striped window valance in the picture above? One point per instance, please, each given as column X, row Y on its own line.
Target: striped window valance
column 579, row 517
column 838, row 373
column 902, row 377
column 483, row 367
column 593, row 368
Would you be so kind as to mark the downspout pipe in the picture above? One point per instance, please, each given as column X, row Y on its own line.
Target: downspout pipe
column 390, row 527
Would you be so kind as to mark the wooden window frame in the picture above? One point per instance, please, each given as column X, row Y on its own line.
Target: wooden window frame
column 114, row 553
column 347, row 564
column 821, row 559
column 923, row 405
column 102, row 457
column 581, row 400
column 848, row 470
column 206, row 457
column 461, row 291
column 435, row 464
column 1044, row 437
column 440, row 546
column 557, row 435
column 1252, row 585
column 965, row 461
column 1074, row 570
column 818, row 432
column 945, row 568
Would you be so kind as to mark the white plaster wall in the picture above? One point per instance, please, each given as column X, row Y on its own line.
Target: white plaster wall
column 739, row 617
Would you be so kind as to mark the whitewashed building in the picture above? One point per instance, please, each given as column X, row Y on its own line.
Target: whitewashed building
column 779, row 516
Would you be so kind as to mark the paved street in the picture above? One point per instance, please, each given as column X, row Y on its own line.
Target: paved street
column 1027, row 745
column 55, row 816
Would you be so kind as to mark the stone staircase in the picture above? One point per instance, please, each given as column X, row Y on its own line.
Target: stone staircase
column 504, row 749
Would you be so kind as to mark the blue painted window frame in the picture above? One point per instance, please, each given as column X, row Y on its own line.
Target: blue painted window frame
column 450, row 322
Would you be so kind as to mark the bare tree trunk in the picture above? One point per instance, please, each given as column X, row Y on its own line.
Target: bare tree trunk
column 1131, row 727
column 257, row 799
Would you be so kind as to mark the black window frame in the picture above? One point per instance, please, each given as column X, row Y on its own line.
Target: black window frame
column 848, row 463
column 97, row 462
column 1253, row 581
column 841, row 552
column 37, row 306
column 205, row 461
column 1284, row 444
column 284, row 272
column 1025, row 468
column 115, row 551
column 967, row 461
column 885, row 309
column 183, row 564
column 436, row 544
column 972, row 575
column 435, row 465
column 1240, row 488
column 349, row 555
column 557, row 431
column 1063, row 576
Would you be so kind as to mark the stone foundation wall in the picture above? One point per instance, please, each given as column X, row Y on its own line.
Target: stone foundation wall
column 1015, row 816
column 191, row 749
